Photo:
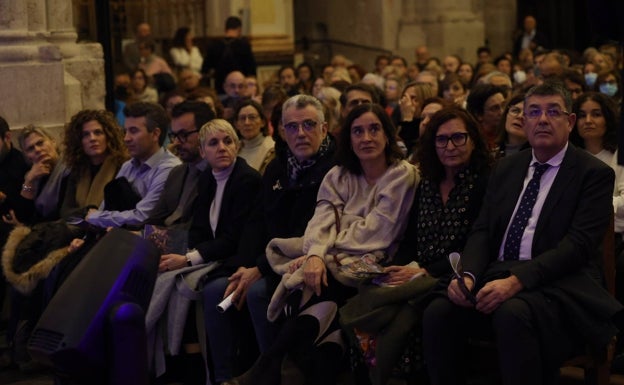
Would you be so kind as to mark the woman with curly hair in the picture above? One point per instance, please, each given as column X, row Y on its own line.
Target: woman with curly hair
column 94, row 151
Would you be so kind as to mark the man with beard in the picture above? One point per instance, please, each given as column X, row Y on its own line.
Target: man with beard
column 174, row 208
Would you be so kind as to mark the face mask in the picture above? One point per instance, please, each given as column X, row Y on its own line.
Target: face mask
column 608, row 89
column 519, row 77
column 590, row 78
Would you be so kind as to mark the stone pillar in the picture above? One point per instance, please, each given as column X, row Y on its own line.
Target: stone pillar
column 445, row 26
column 45, row 76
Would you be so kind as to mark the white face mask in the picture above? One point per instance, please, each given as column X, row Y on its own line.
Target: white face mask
column 519, row 77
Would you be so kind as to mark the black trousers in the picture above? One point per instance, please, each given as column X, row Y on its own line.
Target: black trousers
column 447, row 326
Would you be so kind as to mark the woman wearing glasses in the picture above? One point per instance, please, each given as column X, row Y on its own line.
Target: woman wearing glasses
column 361, row 209
column 454, row 165
column 512, row 135
column 257, row 148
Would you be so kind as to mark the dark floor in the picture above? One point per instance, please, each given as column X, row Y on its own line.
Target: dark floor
column 13, row 376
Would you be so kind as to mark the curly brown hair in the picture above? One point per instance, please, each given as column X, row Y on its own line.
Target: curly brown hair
column 75, row 157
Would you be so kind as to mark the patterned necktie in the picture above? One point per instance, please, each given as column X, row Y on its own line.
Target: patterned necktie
column 520, row 220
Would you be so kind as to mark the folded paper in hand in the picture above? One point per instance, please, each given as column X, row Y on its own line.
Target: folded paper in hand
column 362, row 267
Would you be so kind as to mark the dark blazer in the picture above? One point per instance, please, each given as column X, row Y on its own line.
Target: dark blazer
column 570, row 227
column 12, row 170
column 239, row 197
column 566, row 245
column 170, row 197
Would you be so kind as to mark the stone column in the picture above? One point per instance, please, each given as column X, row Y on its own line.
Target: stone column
column 37, row 54
column 445, row 26
column 83, row 63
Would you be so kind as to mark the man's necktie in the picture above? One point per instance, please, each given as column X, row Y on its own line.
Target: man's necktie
column 520, row 220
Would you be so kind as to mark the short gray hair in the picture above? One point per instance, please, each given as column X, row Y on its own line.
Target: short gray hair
column 218, row 125
column 302, row 101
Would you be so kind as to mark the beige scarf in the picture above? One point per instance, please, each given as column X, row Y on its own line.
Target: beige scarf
column 90, row 191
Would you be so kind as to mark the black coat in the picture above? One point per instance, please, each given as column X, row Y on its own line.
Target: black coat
column 285, row 208
column 239, row 196
column 12, row 170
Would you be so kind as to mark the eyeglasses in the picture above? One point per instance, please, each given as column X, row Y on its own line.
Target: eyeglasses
column 551, row 113
column 308, row 125
column 252, row 118
column 514, row 111
column 182, row 136
column 458, row 139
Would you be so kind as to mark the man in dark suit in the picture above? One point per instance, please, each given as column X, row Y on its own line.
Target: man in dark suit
column 530, row 37
column 175, row 205
column 531, row 263
column 232, row 53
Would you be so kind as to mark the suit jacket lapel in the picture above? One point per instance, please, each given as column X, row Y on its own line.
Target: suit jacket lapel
column 564, row 177
column 514, row 182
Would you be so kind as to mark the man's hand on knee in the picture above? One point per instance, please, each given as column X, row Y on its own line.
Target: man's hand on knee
column 496, row 292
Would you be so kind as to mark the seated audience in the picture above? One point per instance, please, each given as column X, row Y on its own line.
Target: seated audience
column 184, row 53
column 407, row 115
column 149, row 62
column 94, row 152
column 530, row 271
column 257, row 148
column 305, row 77
column 13, row 167
column 596, row 131
column 486, row 103
column 290, row 185
column 145, row 129
column 512, row 137
column 454, row 166
column 362, row 207
column 140, row 88
column 45, row 183
column 227, row 194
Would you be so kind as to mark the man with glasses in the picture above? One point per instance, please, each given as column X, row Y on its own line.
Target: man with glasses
column 174, row 207
column 290, row 186
column 145, row 129
column 532, row 259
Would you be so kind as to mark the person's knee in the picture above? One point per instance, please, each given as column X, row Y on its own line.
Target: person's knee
column 213, row 290
column 256, row 290
column 512, row 314
column 439, row 311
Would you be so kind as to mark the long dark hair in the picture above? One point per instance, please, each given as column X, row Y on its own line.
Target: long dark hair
column 609, row 110
column 179, row 37
column 345, row 155
column 430, row 166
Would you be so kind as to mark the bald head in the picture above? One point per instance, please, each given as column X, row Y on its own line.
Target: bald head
column 234, row 84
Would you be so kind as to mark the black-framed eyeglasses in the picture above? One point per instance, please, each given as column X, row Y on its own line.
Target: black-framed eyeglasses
column 552, row 113
column 458, row 139
column 182, row 136
column 308, row 125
